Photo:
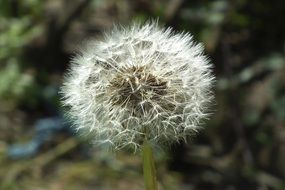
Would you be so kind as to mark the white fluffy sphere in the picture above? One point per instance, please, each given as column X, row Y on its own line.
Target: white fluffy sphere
column 139, row 82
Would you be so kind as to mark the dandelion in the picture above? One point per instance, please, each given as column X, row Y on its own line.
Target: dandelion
column 139, row 84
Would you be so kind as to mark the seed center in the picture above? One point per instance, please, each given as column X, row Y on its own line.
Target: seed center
column 137, row 89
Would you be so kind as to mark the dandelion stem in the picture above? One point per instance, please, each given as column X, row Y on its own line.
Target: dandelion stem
column 149, row 167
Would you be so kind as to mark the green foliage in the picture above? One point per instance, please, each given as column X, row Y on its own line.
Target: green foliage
column 17, row 30
column 13, row 83
column 15, row 34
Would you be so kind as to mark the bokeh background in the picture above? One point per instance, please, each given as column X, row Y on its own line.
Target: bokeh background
column 242, row 146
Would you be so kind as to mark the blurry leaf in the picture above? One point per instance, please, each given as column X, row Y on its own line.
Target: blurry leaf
column 13, row 83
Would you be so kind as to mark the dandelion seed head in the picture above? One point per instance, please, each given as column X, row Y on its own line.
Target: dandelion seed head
column 139, row 82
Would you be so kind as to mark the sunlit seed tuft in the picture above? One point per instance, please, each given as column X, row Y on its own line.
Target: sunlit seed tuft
column 139, row 82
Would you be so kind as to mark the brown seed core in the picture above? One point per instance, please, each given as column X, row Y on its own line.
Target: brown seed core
column 135, row 88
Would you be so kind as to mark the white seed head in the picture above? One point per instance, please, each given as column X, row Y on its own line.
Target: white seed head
column 139, row 82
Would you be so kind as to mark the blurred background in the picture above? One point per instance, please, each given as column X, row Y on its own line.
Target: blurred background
column 242, row 146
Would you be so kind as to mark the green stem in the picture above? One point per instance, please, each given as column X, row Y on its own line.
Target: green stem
column 149, row 167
